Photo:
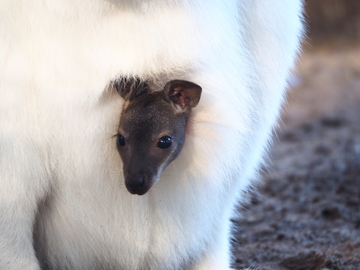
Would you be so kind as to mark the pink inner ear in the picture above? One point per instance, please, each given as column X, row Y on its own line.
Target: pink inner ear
column 176, row 91
column 181, row 101
column 183, row 93
column 177, row 96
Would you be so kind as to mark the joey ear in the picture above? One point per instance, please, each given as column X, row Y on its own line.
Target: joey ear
column 182, row 93
column 130, row 88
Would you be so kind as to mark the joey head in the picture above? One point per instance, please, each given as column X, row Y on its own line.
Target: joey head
column 152, row 127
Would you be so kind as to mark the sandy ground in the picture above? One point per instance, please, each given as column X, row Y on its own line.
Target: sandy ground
column 306, row 213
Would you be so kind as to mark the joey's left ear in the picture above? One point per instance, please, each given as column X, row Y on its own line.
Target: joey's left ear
column 182, row 93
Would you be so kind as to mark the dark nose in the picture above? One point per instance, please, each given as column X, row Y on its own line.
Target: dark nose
column 134, row 184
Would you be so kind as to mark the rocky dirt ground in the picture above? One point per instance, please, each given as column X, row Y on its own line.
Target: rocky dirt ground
column 305, row 213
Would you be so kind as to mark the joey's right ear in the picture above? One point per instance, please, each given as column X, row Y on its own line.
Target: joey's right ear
column 130, row 88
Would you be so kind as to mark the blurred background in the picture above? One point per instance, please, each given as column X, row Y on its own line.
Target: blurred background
column 305, row 212
column 333, row 20
column 328, row 73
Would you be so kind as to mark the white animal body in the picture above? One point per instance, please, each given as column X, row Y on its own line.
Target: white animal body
column 63, row 202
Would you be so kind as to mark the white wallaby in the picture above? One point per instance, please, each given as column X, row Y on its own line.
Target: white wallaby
column 64, row 203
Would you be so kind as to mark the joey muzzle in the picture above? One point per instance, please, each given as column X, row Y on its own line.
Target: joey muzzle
column 139, row 182
column 142, row 169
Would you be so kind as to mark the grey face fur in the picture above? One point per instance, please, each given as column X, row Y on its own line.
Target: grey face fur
column 152, row 128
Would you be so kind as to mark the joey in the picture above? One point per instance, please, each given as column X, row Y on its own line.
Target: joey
column 152, row 126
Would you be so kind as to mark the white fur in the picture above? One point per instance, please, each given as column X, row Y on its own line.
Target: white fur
column 61, row 182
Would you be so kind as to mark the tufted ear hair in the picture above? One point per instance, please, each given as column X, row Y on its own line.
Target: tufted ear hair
column 183, row 94
column 130, row 88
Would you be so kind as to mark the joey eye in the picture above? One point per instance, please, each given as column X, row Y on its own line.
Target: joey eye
column 120, row 141
column 164, row 142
